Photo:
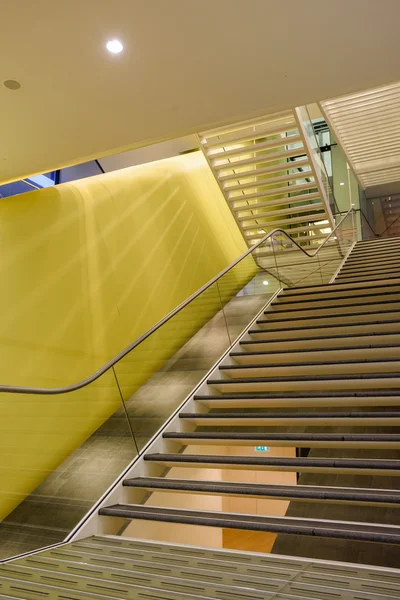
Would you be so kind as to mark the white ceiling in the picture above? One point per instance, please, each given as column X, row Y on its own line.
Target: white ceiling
column 187, row 66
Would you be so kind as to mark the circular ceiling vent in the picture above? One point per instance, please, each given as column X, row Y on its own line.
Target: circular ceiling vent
column 12, row 84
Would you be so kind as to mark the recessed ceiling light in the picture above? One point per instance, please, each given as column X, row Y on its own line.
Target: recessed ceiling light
column 12, row 84
column 265, row 282
column 114, row 46
column 342, row 183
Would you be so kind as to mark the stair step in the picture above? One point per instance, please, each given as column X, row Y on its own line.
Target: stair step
column 257, row 161
column 332, row 288
column 300, row 440
column 271, row 203
column 323, row 331
column 372, row 268
column 345, row 466
column 166, row 577
column 266, row 572
column 313, row 321
column 334, row 355
column 322, row 367
column 261, row 133
column 316, row 383
column 380, row 274
column 275, row 311
column 287, row 189
column 285, row 211
column 288, row 400
column 92, row 583
column 187, row 565
column 281, row 223
column 264, row 171
column 377, row 262
column 377, row 243
column 270, row 181
column 357, row 496
column 386, row 239
column 365, row 340
column 389, row 534
column 336, row 301
column 255, row 148
column 297, row 419
column 372, row 256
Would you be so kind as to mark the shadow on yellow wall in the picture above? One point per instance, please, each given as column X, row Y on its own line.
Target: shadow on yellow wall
column 86, row 268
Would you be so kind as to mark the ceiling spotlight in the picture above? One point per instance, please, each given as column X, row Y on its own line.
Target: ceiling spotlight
column 114, row 46
column 12, row 84
column 342, row 183
column 265, row 282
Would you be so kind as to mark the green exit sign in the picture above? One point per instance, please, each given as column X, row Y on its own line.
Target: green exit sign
column 262, row 449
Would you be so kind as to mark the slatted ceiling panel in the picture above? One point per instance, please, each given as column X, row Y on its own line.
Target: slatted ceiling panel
column 367, row 126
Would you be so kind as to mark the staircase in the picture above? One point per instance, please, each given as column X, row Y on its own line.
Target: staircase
column 314, row 383
column 268, row 172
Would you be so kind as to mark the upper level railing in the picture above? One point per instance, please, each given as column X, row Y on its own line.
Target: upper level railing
column 62, row 447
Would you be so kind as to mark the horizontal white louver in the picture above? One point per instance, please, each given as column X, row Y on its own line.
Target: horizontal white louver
column 266, row 173
column 367, row 126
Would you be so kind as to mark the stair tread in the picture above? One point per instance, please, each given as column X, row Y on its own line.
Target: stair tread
column 274, row 310
column 350, row 361
column 304, row 339
column 331, row 288
column 268, row 490
column 330, row 377
column 316, row 527
column 323, row 326
column 328, row 316
column 347, row 463
column 284, row 436
column 314, row 350
column 294, row 415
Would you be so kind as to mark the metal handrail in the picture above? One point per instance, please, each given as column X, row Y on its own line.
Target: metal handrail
column 14, row 389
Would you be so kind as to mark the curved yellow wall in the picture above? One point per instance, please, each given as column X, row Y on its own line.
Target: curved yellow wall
column 86, row 267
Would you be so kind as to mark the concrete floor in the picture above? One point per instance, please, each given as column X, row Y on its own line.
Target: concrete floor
column 57, row 505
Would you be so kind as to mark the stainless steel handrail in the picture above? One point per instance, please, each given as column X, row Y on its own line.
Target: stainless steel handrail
column 15, row 389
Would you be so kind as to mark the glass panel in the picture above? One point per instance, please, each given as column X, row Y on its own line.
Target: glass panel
column 189, row 347
column 292, row 267
column 317, row 157
column 61, row 454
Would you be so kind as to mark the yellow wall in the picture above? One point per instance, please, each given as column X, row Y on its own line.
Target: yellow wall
column 86, row 267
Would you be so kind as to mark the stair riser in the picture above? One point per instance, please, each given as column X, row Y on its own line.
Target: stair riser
column 302, row 293
column 334, row 303
column 378, row 262
column 331, row 310
column 332, row 295
column 310, row 370
column 300, row 402
column 330, row 355
column 390, row 250
column 322, row 343
column 272, row 334
column 366, row 279
column 371, row 270
column 339, row 319
column 286, row 497
column 308, row 386
column 364, row 276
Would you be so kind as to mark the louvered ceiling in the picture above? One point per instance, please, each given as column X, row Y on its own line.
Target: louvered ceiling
column 367, row 126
